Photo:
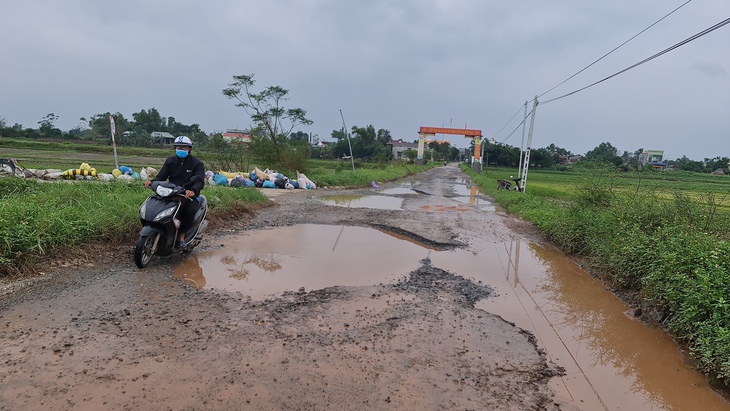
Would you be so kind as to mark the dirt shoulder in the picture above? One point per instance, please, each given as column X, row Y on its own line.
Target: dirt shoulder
column 102, row 334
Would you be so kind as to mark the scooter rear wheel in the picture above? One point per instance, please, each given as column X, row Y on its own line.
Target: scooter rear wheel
column 143, row 251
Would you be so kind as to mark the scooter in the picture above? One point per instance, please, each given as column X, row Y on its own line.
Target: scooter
column 507, row 185
column 160, row 225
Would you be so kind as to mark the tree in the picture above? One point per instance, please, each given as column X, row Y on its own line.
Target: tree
column 441, row 151
column 542, row 157
column 220, row 154
column 80, row 130
column 341, row 147
column 502, row 155
column 46, row 127
column 101, row 127
column 267, row 111
column 716, row 163
column 150, row 121
column 686, row 164
column 299, row 136
column 410, row 154
column 384, row 137
column 364, row 141
column 604, row 153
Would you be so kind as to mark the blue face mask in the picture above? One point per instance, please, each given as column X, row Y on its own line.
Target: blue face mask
column 181, row 153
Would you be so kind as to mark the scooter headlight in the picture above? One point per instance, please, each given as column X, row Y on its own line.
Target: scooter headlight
column 165, row 213
column 143, row 211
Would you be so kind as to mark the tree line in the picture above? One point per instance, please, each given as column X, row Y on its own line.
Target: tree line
column 132, row 132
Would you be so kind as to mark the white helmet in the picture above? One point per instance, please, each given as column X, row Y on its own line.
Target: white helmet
column 182, row 141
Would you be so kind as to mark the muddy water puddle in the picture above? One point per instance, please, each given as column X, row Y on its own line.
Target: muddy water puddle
column 379, row 202
column 398, row 191
column 468, row 193
column 261, row 263
column 612, row 361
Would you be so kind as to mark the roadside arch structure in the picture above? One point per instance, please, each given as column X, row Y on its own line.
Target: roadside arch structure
column 476, row 135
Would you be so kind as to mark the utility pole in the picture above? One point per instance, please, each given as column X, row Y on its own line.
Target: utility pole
column 522, row 147
column 114, row 141
column 348, row 140
column 526, row 164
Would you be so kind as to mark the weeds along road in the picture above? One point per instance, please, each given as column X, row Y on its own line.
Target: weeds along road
column 102, row 334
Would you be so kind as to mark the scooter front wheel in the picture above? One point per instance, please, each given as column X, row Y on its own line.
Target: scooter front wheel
column 143, row 252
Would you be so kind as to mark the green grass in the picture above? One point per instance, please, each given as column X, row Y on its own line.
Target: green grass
column 664, row 235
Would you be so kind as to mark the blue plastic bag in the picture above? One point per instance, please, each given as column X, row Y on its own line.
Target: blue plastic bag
column 220, row 180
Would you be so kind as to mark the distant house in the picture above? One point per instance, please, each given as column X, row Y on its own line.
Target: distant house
column 570, row 160
column 162, row 137
column 652, row 156
column 237, row 135
column 399, row 146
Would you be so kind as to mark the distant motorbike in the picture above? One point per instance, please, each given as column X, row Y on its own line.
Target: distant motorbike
column 507, row 185
column 160, row 225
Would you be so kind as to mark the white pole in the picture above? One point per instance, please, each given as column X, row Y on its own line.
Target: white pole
column 484, row 143
column 114, row 141
column 522, row 146
column 529, row 145
column 352, row 159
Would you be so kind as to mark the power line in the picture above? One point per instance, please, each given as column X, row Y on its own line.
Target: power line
column 516, row 128
column 506, row 124
column 667, row 50
column 619, row 46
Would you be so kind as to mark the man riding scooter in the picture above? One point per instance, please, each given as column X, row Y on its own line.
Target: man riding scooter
column 179, row 169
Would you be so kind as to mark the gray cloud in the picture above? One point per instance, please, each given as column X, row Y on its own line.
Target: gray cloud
column 394, row 64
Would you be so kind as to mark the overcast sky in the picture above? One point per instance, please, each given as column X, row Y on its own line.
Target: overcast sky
column 395, row 64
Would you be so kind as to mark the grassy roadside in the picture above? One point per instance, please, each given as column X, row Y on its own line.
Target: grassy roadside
column 663, row 236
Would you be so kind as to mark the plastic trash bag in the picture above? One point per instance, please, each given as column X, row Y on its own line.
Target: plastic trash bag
column 220, row 180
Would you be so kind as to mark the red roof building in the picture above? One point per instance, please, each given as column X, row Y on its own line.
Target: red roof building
column 237, row 135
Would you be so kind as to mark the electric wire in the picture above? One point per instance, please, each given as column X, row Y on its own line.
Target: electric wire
column 509, row 121
column 517, row 128
column 619, row 46
column 667, row 50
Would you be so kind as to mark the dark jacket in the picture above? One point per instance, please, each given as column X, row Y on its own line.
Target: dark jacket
column 180, row 170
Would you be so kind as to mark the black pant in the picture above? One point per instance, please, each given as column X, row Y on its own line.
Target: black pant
column 186, row 214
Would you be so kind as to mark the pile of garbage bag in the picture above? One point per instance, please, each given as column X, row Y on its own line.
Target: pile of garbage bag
column 256, row 178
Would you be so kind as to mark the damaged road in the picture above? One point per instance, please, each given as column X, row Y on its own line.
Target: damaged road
column 106, row 335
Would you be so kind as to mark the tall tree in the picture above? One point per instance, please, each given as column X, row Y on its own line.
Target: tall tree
column 101, row 127
column 150, row 121
column 267, row 110
column 46, row 128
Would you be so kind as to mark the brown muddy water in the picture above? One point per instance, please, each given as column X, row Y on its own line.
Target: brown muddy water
column 612, row 361
column 378, row 202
